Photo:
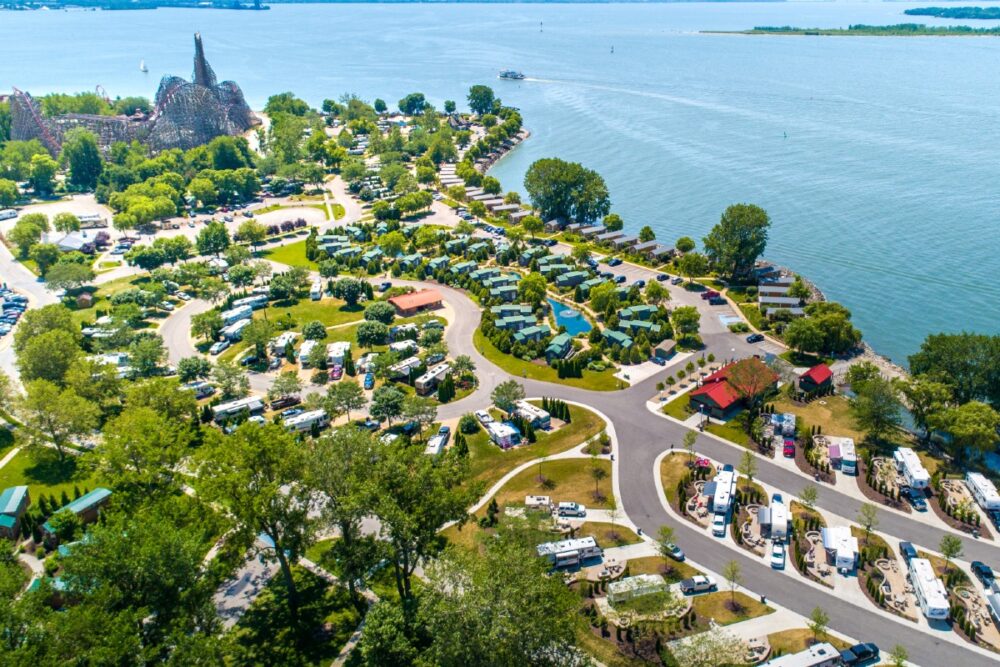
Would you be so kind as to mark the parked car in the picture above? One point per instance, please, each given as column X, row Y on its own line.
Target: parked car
column 677, row 281
column 370, row 425
column 614, row 261
column 384, row 286
column 183, row 296
column 435, row 358
column 674, row 552
column 248, row 360
column 915, row 497
column 778, row 556
column 908, row 551
column 994, row 517
column 291, row 412
column 640, row 283
column 571, row 509
column 620, row 279
column 484, row 417
column 983, row 572
column 656, row 360
column 549, row 242
column 662, row 276
column 274, row 364
column 369, row 380
column 788, row 451
column 699, row 584
column 444, row 430
column 285, row 402
column 860, row 654
column 219, row 347
column 166, row 305
column 755, row 338
column 607, row 275
column 337, row 372
column 719, row 525
column 717, row 301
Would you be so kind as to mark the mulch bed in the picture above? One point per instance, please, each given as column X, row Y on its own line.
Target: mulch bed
column 879, row 498
column 863, row 576
column 807, row 468
column 984, row 531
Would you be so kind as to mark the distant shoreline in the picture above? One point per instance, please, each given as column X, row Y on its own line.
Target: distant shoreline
column 898, row 30
column 123, row 5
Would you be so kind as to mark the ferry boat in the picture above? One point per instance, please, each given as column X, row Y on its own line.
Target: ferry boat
column 510, row 74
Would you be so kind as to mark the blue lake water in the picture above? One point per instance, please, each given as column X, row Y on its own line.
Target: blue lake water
column 877, row 158
column 572, row 319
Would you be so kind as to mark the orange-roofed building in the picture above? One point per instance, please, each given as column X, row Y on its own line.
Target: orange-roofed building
column 415, row 302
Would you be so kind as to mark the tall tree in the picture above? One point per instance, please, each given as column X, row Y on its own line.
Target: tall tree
column 55, row 416
column 560, row 189
column 82, row 156
column 506, row 394
column 212, row 239
column 877, row 408
column 141, row 452
column 739, row 238
column 257, row 473
column 344, row 397
column 481, row 99
column 969, row 363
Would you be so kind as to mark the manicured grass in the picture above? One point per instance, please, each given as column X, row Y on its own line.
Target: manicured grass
column 832, row 413
column 338, row 212
column 803, row 359
column 603, row 381
column 794, row 640
column 753, row 314
column 716, row 605
column 731, row 430
column 331, row 312
column 566, row 480
column 292, row 254
column 102, row 294
column 678, row 408
column 800, row 512
column 647, row 604
column 267, row 635
column 608, row 535
column 44, row 474
column 673, row 468
column 488, row 463
column 671, row 570
column 30, row 265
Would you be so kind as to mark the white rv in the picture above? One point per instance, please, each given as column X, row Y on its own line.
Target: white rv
column 306, row 420
column 930, row 592
column 725, row 485
column 983, row 491
column 567, row 553
column 909, row 466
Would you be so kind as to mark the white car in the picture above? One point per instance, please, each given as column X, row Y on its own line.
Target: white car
column 219, row 347
column 697, row 584
column 484, row 417
column 571, row 509
column 778, row 556
column 719, row 525
column 166, row 305
column 183, row 296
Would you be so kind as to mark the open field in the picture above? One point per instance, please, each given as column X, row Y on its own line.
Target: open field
column 566, row 480
column 44, row 474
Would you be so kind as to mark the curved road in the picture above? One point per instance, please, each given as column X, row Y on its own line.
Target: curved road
column 642, row 437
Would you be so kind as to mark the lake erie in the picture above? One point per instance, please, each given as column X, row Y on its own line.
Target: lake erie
column 878, row 159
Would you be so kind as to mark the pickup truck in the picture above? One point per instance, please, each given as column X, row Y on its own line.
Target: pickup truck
column 698, row 584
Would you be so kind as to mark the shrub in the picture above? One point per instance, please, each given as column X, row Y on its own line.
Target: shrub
column 468, row 424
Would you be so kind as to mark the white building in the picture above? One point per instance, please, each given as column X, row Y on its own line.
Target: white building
column 567, row 553
column 931, row 594
column 532, row 414
column 335, row 352
column 304, row 421
column 909, row 466
column 637, row 586
column 774, row 520
column 251, row 404
column 281, row 341
column 841, row 547
column 725, row 486
column 236, row 314
column 429, row 380
column 307, row 347
column 983, row 491
column 403, row 346
column 234, row 331
column 435, row 445
column 502, row 435
column 817, row 655
column 405, row 367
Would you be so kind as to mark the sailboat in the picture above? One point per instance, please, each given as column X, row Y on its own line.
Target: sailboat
column 142, row 66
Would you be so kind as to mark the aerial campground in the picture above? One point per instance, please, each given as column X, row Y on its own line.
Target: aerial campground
column 373, row 375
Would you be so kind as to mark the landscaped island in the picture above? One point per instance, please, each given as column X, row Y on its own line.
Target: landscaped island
column 980, row 13
column 861, row 30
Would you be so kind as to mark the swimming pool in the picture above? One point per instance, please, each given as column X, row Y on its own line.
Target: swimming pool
column 573, row 320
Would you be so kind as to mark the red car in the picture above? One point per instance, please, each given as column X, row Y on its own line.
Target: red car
column 789, row 450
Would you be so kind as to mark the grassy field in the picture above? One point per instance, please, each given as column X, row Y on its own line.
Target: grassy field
column 607, row 535
column 753, row 314
column 833, row 413
column 488, row 463
column 604, row 651
column 102, row 294
column 292, row 254
column 716, row 606
column 731, row 430
column 603, row 381
column 44, row 474
column 673, row 468
column 566, row 480
column 799, row 639
column 671, row 570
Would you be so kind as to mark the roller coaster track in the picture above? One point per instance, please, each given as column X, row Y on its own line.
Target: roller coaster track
column 25, row 101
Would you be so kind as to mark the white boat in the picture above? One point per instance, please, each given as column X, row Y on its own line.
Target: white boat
column 142, row 66
column 511, row 74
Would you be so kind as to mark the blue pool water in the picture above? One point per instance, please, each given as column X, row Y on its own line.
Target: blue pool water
column 573, row 320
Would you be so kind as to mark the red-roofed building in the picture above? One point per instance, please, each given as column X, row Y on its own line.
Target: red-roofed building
column 414, row 302
column 817, row 378
column 718, row 398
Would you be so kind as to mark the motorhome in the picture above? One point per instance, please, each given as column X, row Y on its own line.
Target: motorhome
column 251, row 404
column 254, row 301
column 909, row 466
column 8, row 214
column 435, row 445
column 568, row 553
column 841, row 452
column 931, row 594
column 335, row 352
column 316, row 291
column 307, row 420
column 235, row 330
column 201, row 389
column 724, row 486
column 427, row 382
column 503, row 435
column 983, row 491
column 532, row 414
column 236, row 314
column 774, row 519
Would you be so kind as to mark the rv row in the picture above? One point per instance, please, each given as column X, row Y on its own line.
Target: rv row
column 504, row 434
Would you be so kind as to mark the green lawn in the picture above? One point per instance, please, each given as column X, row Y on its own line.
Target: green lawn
column 804, row 359
column 566, row 480
column 671, row 570
column 292, row 254
column 488, row 463
column 603, row 381
column 731, row 430
column 44, row 474
column 716, row 605
column 608, row 535
column 752, row 312
column 329, row 311
column 101, row 305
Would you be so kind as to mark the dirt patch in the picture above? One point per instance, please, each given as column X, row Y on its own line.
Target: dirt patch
column 864, row 483
column 940, row 499
column 802, row 463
